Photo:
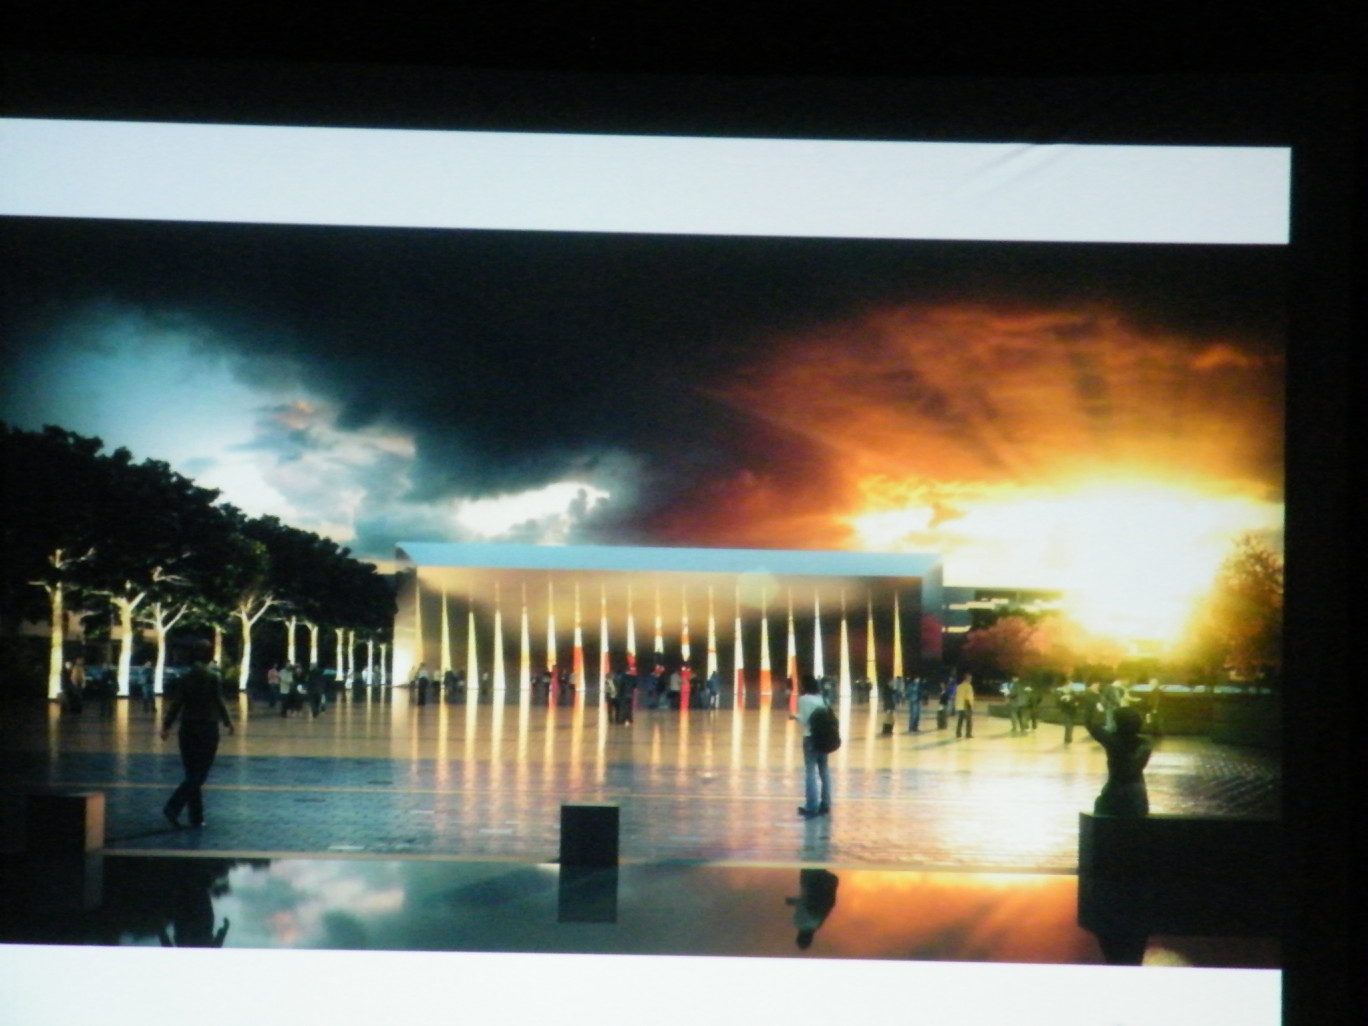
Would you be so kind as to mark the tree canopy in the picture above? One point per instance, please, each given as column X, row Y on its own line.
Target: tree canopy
column 98, row 531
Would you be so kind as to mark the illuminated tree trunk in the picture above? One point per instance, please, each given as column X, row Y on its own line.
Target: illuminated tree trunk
column 55, row 642
column 340, row 635
column 248, row 619
column 291, row 626
column 161, row 628
column 126, row 608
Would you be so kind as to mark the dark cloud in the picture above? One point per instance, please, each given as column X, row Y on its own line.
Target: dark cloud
column 519, row 359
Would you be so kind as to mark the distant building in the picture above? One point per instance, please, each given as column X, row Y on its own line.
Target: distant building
column 751, row 615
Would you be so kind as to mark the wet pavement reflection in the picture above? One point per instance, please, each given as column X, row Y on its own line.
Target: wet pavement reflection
column 655, row 909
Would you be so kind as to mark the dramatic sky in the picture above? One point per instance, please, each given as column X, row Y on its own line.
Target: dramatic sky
column 1047, row 415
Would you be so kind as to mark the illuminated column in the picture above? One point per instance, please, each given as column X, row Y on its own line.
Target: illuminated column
column 685, row 650
column 604, row 668
column 712, row 635
column 659, row 648
column 631, row 634
column 577, row 657
column 370, row 661
column 418, row 654
column 446, row 636
column 818, row 664
column 845, row 653
column 871, row 663
column 792, row 662
column 897, row 639
column 765, row 668
column 551, row 641
column 525, row 649
column 739, row 658
column 384, row 663
column 500, row 683
column 472, row 654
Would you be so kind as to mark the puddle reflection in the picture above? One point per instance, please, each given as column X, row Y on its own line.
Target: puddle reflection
column 656, row 909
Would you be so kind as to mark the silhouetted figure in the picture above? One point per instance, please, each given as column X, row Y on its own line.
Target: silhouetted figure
column 200, row 708
column 1128, row 753
column 814, row 902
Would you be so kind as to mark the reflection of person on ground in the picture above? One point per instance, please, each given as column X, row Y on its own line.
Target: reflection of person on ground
column 964, row 707
column 815, row 770
column 914, row 705
column 1128, row 753
column 192, row 922
column 200, row 708
column 814, row 902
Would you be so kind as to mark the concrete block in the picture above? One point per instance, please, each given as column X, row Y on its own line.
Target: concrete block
column 589, row 835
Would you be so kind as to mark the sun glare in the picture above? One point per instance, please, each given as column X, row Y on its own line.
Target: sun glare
column 1130, row 558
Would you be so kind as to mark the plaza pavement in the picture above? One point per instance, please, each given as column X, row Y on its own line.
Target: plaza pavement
column 383, row 777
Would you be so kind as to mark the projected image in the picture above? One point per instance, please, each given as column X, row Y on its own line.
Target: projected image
column 631, row 495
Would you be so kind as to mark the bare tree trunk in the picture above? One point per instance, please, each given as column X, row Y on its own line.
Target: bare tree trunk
column 55, row 647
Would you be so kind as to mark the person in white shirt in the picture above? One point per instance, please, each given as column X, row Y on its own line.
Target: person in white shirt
column 815, row 771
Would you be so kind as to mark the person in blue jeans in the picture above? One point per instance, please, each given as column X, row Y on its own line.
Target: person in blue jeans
column 913, row 690
column 817, row 777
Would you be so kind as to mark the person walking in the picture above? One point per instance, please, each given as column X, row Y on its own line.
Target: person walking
column 199, row 707
column 964, row 707
column 816, row 774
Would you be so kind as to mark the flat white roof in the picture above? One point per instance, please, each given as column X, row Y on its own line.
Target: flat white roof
column 646, row 558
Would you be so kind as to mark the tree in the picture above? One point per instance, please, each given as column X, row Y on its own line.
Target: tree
column 48, row 529
column 1238, row 627
column 155, row 524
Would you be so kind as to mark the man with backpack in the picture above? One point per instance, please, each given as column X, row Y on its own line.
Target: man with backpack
column 821, row 737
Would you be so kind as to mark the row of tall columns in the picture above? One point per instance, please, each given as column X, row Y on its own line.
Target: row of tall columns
column 498, row 674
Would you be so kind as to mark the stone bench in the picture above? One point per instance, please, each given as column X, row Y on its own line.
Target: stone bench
column 1181, row 875
column 64, row 822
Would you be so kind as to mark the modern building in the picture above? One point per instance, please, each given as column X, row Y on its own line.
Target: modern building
column 505, row 613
